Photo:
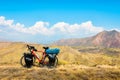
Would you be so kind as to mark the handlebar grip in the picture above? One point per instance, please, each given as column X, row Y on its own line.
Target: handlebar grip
column 27, row 45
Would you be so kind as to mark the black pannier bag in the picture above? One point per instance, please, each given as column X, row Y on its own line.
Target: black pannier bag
column 51, row 58
column 28, row 59
column 52, row 55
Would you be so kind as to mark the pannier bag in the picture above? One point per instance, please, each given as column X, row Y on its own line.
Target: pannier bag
column 53, row 51
column 51, row 58
column 52, row 55
column 28, row 59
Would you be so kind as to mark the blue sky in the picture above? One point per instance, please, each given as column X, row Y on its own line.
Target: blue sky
column 44, row 21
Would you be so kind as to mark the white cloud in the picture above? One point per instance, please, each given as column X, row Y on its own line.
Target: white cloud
column 115, row 29
column 39, row 27
column 83, row 28
column 60, row 28
column 5, row 22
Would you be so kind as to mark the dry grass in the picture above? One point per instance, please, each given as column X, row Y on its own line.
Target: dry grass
column 73, row 65
column 12, row 53
column 66, row 72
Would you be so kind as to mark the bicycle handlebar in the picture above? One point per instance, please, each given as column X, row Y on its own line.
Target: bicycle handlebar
column 31, row 48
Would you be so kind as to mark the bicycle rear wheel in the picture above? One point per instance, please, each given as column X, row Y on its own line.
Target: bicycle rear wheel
column 55, row 62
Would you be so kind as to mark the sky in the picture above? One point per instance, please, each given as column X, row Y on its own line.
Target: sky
column 45, row 21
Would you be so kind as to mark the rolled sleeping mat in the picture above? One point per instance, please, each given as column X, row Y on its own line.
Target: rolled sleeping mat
column 53, row 51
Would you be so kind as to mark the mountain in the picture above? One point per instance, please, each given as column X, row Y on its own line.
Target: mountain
column 104, row 39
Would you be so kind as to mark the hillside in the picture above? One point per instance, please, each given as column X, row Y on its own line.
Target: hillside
column 73, row 64
column 12, row 53
column 4, row 44
column 104, row 39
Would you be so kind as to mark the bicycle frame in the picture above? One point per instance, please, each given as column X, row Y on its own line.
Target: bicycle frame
column 43, row 55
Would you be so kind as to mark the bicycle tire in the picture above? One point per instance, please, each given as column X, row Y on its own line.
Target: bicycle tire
column 34, row 61
column 56, row 62
column 53, row 64
column 22, row 61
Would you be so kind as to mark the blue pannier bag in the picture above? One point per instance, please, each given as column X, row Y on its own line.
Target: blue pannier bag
column 53, row 51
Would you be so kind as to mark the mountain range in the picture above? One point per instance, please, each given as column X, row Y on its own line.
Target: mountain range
column 104, row 39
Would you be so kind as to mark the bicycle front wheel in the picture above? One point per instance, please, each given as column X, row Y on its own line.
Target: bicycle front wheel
column 22, row 61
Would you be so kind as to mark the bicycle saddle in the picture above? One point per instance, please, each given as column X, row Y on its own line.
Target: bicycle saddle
column 45, row 48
